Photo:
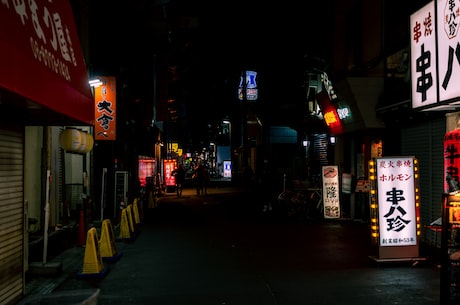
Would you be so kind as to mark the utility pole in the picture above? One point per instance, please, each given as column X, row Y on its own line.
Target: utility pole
column 244, row 129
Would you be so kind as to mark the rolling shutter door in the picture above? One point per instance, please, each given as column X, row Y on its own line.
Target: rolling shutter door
column 426, row 142
column 11, row 215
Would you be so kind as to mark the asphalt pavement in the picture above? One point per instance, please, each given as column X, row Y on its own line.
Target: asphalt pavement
column 231, row 248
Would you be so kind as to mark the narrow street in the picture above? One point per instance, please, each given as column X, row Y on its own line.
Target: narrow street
column 223, row 249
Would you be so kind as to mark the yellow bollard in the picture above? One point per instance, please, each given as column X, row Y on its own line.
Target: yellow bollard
column 93, row 265
column 107, row 244
column 136, row 214
column 125, row 230
column 129, row 211
column 137, row 217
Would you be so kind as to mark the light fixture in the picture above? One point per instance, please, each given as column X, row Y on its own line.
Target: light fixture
column 95, row 82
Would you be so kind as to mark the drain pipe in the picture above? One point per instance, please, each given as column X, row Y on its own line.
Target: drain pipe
column 47, row 194
column 47, row 217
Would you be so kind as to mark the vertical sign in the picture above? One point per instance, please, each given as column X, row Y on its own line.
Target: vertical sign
column 227, row 169
column 147, row 168
column 423, row 56
column 168, row 167
column 248, row 81
column 451, row 158
column 448, row 23
column 396, row 201
column 331, row 200
column 105, row 106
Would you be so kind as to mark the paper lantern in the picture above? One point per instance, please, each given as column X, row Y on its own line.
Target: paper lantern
column 74, row 140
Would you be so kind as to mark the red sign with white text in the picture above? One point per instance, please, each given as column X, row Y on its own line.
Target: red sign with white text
column 451, row 158
column 42, row 59
column 169, row 166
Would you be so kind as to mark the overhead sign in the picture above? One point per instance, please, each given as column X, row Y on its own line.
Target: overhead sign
column 423, row 56
column 248, row 81
column 435, row 65
column 42, row 59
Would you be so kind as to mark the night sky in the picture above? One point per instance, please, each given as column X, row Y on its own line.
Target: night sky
column 211, row 42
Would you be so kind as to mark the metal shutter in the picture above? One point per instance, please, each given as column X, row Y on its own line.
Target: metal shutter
column 11, row 215
column 425, row 141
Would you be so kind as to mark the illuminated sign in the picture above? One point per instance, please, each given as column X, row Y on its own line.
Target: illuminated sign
column 435, row 44
column 330, row 117
column 451, row 157
column 105, row 109
column 331, row 201
column 423, row 52
column 343, row 113
column 397, row 201
column 146, row 169
column 168, row 167
column 248, row 80
column 227, row 169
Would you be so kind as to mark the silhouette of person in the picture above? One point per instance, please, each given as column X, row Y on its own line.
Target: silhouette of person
column 179, row 173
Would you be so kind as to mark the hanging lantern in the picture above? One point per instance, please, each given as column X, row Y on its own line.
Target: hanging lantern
column 74, row 140
column 451, row 160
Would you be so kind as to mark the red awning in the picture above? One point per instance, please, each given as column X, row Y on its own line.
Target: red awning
column 41, row 58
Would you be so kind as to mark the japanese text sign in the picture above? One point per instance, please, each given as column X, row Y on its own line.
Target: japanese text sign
column 168, row 167
column 248, row 81
column 331, row 201
column 435, row 45
column 423, row 56
column 451, row 157
column 147, row 168
column 41, row 57
column 105, row 109
column 396, row 201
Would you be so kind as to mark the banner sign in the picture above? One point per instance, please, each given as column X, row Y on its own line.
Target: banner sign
column 105, row 109
column 331, row 201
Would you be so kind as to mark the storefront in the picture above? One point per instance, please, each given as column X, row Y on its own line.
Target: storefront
column 348, row 108
column 43, row 82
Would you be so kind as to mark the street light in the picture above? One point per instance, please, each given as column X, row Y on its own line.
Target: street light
column 227, row 122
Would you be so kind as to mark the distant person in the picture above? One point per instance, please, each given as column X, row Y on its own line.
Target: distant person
column 199, row 177
column 179, row 173
column 204, row 187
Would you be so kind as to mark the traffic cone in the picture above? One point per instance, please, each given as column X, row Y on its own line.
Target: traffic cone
column 93, row 266
column 107, row 246
column 81, row 238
